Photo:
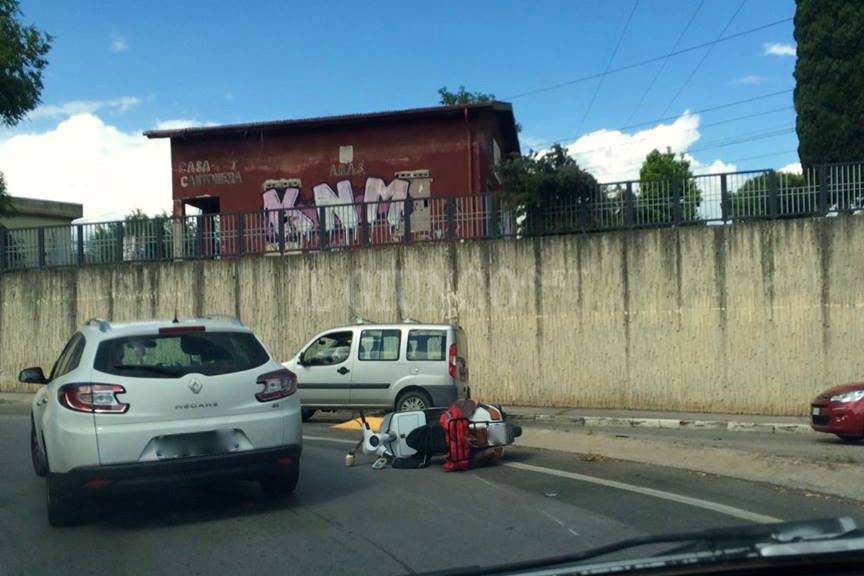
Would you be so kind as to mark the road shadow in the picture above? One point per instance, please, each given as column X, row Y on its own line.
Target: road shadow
column 191, row 503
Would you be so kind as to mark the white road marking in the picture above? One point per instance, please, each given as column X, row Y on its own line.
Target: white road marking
column 662, row 494
column 553, row 518
column 573, row 532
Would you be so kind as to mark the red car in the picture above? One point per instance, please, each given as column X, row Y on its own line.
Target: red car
column 840, row 411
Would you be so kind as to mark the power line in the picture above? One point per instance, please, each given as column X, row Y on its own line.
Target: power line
column 665, row 60
column 667, row 118
column 759, row 135
column 608, row 64
column 704, row 57
column 751, row 138
column 711, row 108
column 795, row 150
column 748, row 116
column 648, row 61
column 701, row 127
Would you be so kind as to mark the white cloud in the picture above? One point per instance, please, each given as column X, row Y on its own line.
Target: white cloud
column 85, row 160
column 716, row 167
column 778, row 49
column 794, row 168
column 530, row 143
column 749, row 80
column 612, row 155
column 119, row 44
column 74, row 107
column 180, row 123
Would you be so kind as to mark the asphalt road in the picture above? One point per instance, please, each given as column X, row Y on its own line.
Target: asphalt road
column 357, row 520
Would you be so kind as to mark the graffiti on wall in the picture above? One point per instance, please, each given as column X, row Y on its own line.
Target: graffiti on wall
column 201, row 173
column 282, row 199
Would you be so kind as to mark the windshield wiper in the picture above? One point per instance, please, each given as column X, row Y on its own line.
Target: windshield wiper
column 727, row 542
column 147, row 368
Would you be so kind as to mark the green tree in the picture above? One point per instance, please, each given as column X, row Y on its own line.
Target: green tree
column 462, row 97
column 829, row 80
column 140, row 234
column 793, row 196
column 660, row 176
column 100, row 242
column 549, row 192
column 22, row 60
column 6, row 207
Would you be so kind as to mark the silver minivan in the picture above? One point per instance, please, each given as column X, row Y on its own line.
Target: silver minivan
column 406, row 366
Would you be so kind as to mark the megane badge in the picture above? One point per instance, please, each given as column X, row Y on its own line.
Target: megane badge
column 195, row 386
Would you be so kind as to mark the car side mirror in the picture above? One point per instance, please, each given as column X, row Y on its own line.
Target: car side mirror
column 33, row 375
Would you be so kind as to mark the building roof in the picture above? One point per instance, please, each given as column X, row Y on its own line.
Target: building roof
column 45, row 208
column 504, row 111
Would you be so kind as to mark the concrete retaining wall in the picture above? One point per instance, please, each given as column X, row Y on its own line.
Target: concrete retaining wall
column 751, row 318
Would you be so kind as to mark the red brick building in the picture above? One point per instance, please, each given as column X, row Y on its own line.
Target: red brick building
column 314, row 162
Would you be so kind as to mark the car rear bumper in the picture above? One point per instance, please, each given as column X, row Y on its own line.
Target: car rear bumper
column 250, row 464
column 836, row 418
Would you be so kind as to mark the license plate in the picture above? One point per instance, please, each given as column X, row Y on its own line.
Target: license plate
column 195, row 444
column 816, row 411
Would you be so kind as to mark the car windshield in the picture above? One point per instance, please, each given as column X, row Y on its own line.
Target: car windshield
column 396, row 287
column 173, row 355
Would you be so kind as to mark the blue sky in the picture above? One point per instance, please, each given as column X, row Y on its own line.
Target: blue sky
column 127, row 67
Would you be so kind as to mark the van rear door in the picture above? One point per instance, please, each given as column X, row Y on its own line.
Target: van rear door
column 461, row 362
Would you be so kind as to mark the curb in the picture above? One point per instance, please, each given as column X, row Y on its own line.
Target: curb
column 666, row 423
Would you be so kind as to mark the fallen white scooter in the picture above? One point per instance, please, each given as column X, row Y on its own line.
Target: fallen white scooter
column 409, row 439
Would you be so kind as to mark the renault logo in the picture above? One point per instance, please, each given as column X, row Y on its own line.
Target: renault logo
column 195, row 386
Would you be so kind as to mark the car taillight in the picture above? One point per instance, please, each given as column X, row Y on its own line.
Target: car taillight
column 94, row 398
column 275, row 385
column 451, row 360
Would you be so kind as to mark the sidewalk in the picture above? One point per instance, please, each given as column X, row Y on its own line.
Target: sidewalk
column 15, row 397
column 591, row 418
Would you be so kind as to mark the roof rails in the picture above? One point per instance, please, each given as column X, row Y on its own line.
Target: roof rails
column 224, row 317
column 103, row 324
column 361, row 320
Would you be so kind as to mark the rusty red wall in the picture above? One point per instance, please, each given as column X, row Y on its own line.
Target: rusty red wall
column 236, row 167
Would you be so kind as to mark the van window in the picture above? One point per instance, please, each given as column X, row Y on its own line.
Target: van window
column 426, row 345
column 332, row 348
column 379, row 344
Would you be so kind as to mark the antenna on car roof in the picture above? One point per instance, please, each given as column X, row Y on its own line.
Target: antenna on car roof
column 175, row 320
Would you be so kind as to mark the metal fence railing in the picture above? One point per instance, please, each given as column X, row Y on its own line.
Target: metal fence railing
column 721, row 198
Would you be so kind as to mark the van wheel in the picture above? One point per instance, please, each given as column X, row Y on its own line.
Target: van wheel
column 62, row 510
column 413, row 400
column 282, row 484
column 40, row 462
column 307, row 413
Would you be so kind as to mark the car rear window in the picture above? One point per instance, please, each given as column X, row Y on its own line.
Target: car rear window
column 426, row 345
column 173, row 355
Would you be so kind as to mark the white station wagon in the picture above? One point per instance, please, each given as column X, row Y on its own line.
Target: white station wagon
column 149, row 402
